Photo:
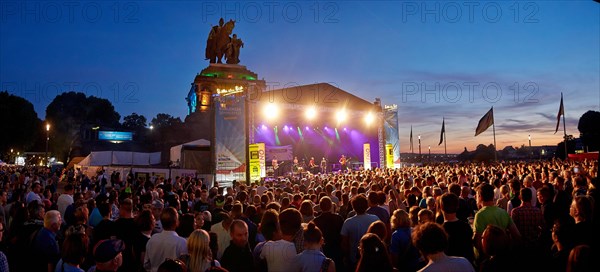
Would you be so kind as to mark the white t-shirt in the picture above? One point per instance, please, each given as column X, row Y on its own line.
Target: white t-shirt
column 63, row 202
column 223, row 238
column 261, row 190
column 161, row 246
column 279, row 255
column 448, row 264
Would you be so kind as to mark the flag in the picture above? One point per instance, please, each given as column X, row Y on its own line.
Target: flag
column 443, row 131
column 411, row 140
column 561, row 111
column 485, row 122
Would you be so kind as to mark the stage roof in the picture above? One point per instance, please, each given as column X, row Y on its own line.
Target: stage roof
column 319, row 94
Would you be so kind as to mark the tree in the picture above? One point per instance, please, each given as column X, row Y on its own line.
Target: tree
column 560, row 148
column 507, row 152
column 163, row 120
column 19, row 123
column 69, row 111
column 134, row 122
column 523, row 151
column 484, row 153
column 589, row 129
column 464, row 156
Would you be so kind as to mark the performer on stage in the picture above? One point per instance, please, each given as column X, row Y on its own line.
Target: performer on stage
column 295, row 165
column 324, row 166
column 312, row 165
column 343, row 161
column 275, row 166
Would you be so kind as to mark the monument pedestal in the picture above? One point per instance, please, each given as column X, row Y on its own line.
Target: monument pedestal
column 218, row 105
column 226, row 77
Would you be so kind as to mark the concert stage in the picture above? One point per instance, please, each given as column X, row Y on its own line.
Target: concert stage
column 319, row 121
column 248, row 126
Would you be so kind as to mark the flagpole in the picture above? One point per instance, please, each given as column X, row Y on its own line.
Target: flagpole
column 445, row 150
column 564, row 128
column 494, row 130
column 444, row 127
column 412, row 146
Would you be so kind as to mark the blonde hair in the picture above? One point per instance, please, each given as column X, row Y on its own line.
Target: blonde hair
column 400, row 219
column 199, row 250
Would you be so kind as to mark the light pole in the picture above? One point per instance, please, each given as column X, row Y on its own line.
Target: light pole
column 530, row 151
column 429, row 158
column 420, row 157
column 47, row 140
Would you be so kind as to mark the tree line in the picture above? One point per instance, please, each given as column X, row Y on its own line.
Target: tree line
column 71, row 113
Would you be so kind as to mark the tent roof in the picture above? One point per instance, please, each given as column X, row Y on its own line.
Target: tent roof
column 199, row 142
column 73, row 161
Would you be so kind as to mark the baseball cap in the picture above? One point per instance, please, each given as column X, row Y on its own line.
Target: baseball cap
column 106, row 250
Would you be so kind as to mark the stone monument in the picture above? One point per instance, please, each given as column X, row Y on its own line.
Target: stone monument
column 218, row 103
column 219, row 79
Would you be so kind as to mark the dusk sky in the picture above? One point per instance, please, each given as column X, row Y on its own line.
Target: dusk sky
column 142, row 56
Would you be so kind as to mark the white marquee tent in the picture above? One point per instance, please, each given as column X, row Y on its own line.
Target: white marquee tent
column 108, row 158
column 176, row 151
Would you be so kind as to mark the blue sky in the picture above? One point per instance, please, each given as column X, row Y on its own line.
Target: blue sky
column 142, row 56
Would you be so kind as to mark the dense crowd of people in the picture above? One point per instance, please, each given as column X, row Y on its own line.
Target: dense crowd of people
column 508, row 216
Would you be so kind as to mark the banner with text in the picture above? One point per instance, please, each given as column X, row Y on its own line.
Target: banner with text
column 367, row 156
column 392, row 135
column 256, row 152
column 389, row 155
column 230, row 138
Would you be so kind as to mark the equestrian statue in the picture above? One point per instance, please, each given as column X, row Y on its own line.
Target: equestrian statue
column 220, row 44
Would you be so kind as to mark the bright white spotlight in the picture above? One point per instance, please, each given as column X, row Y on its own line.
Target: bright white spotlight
column 369, row 118
column 340, row 116
column 271, row 111
column 311, row 113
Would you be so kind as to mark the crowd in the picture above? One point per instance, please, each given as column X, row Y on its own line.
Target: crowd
column 508, row 216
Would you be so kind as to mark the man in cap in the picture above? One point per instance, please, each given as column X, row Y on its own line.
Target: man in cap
column 108, row 256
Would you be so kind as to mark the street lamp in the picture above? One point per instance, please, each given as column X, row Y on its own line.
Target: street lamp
column 429, row 153
column 420, row 157
column 530, row 151
column 47, row 140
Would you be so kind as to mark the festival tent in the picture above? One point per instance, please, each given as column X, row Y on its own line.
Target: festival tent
column 109, row 158
column 73, row 161
column 192, row 155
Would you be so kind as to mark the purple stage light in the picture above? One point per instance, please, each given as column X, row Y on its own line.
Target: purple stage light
column 264, row 127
